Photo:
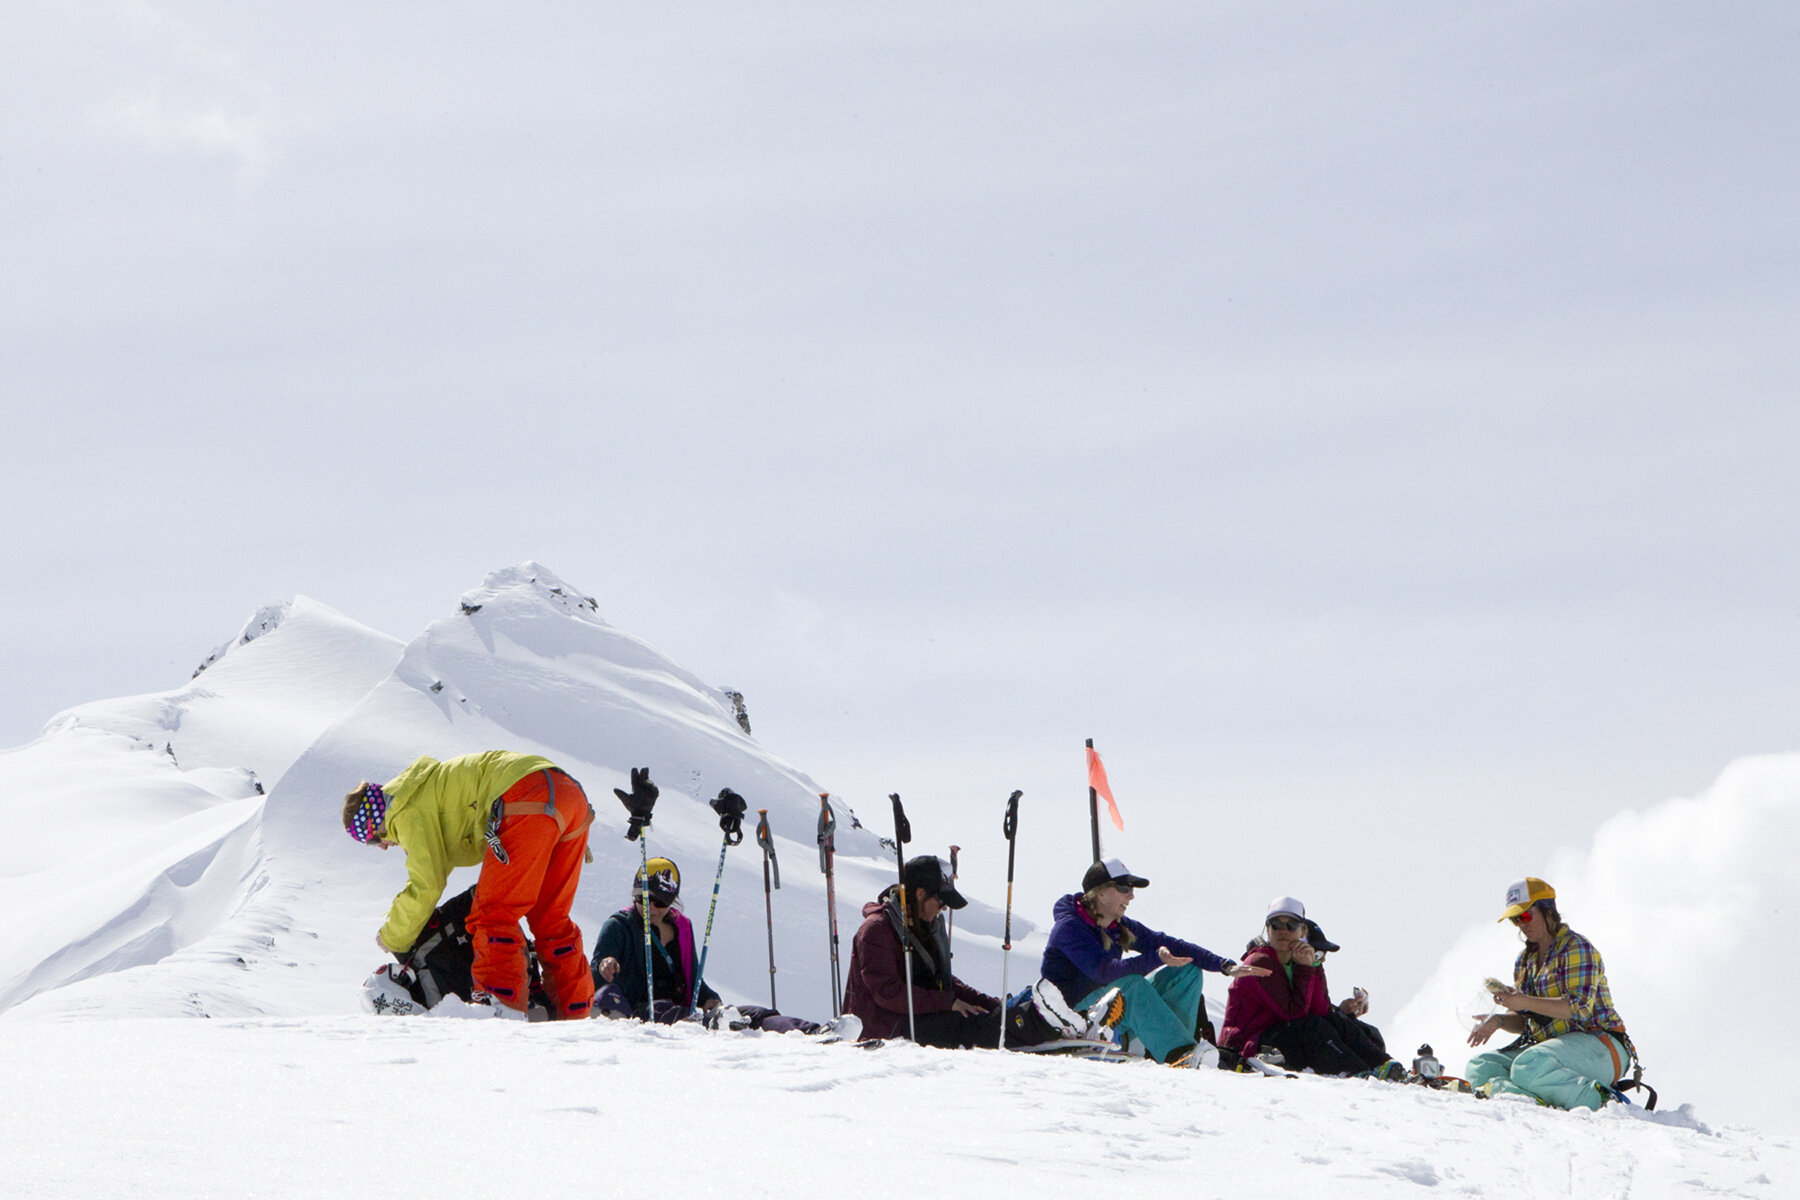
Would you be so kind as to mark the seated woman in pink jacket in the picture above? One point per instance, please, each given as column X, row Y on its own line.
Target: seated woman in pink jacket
column 1290, row 1010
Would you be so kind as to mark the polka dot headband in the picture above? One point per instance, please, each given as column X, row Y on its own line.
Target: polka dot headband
column 370, row 817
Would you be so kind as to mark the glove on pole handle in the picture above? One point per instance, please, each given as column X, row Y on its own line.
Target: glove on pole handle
column 641, row 803
column 730, row 806
column 903, row 835
column 1011, row 828
column 770, row 863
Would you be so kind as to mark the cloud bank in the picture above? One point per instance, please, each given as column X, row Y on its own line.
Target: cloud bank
column 1688, row 903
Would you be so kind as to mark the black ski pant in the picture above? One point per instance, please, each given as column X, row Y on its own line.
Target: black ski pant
column 955, row 1031
column 1331, row 1044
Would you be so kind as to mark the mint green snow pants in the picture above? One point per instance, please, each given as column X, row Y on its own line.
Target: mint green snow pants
column 1566, row 1071
column 1161, row 1008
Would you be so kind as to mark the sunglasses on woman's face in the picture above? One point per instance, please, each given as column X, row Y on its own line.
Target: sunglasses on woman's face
column 1523, row 919
column 1286, row 925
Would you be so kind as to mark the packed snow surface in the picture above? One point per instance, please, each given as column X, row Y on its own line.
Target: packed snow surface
column 179, row 856
column 337, row 1105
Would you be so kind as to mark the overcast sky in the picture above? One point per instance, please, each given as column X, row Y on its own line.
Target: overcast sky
column 1375, row 425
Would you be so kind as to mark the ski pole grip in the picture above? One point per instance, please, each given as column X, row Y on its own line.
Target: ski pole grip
column 767, row 841
column 902, row 827
column 827, row 832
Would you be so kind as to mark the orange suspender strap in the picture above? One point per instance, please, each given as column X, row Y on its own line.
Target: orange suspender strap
column 548, row 809
column 1612, row 1048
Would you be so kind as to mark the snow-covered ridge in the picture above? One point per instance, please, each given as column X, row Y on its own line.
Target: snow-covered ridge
column 139, row 801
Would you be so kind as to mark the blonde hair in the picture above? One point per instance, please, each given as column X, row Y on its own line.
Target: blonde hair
column 1127, row 939
column 350, row 802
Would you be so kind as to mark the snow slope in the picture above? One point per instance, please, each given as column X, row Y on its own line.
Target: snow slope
column 137, row 821
column 340, row 1105
column 153, row 882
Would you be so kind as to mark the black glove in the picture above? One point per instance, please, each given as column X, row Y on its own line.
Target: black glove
column 730, row 806
column 640, row 802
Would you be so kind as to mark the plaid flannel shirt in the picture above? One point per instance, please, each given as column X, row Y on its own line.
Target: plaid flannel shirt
column 1571, row 968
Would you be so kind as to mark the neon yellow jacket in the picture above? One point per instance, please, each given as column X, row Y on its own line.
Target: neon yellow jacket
column 438, row 812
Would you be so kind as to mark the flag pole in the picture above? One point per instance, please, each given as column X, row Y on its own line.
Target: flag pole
column 1093, row 807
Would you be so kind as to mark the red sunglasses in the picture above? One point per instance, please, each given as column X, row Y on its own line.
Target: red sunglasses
column 1522, row 919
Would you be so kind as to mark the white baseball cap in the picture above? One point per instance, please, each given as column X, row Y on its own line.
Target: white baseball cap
column 1286, row 906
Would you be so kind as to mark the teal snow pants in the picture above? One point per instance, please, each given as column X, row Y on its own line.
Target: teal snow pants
column 1566, row 1071
column 1161, row 1008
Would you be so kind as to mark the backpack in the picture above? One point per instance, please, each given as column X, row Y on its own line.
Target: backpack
column 442, row 962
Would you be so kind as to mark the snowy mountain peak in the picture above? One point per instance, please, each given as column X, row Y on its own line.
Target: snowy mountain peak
column 535, row 578
column 266, row 620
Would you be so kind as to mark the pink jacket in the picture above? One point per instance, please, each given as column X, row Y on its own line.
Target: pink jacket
column 1255, row 1004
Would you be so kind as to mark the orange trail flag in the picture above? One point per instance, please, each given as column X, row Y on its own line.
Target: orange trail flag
column 1097, row 781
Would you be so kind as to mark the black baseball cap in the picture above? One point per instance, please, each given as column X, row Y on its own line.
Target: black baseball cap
column 933, row 874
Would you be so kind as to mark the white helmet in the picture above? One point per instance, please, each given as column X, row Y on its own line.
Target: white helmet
column 385, row 993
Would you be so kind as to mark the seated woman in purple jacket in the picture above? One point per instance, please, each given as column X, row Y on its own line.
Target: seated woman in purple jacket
column 1125, row 975
column 1288, row 1008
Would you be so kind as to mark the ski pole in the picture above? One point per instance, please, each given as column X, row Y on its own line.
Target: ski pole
column 1093, row 801
column 950, row 914
column 903, row 835
column 1011, row 829
column 827, row 857
column 640, row 803
column 770, row 863
column 730, row 807
column 644, row 906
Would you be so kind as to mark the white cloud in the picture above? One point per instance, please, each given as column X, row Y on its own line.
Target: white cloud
column 209, row 130
column 189, row 91
column 1687, row 903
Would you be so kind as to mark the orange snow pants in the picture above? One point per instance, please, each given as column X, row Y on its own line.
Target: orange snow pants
column 536, row 884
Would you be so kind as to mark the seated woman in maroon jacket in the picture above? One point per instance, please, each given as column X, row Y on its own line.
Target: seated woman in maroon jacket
column 1290, row 1010
column 945, row 1011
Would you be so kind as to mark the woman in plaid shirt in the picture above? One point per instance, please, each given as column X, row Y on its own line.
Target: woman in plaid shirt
column 1572, row 1047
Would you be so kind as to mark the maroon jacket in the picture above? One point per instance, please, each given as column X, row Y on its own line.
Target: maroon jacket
column 1255, row 1004
column 875, row 985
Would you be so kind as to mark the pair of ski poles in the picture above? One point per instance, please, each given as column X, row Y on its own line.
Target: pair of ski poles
column 903, row 835
column 730, row 807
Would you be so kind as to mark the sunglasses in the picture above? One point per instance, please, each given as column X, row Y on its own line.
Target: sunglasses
column 1522, row 920
column 1124, row 889
column 1286, row 925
